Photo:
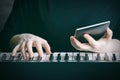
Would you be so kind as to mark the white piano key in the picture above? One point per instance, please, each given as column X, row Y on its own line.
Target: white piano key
column 16, row 56
column 90, row 55
column 74, row 56
column 109, row 56
column 82, row 55
column 117, row 56
column 54, row 57
column 62, row 56
column 47, row 58
column 35, row 57
column 8, row 55
column 70, row 54
column 43, row 57
column 96, row 56
column 106, row 57
column 55, row 54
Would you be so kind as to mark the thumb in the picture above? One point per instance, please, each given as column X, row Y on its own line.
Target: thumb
column 108, row 34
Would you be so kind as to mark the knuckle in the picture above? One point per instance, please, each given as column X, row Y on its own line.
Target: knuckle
column 95, row 46
column 110, row 31
column 28, row 42
column 45, row 41
column 93, row 43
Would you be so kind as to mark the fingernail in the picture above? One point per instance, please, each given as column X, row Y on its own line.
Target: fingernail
column 48, row 52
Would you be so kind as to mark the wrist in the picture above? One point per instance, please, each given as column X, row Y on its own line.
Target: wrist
column 14, row 40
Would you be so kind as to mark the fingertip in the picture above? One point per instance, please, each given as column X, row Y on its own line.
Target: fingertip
column 108, row 28
column 49, row 52
column 109, row 33
column 85, row 35
column 72, row 38
column 47, row 47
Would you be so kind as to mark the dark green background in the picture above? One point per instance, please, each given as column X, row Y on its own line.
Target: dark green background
column 60, row 71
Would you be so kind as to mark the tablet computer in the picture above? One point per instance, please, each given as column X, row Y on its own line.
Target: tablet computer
column 95, row 30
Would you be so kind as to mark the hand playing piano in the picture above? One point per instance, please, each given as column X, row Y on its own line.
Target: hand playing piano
column 25, row 42
column 106, row 44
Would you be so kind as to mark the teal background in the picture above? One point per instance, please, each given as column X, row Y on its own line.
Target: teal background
column 60, row 71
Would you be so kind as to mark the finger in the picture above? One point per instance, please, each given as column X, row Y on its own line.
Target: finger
column 90, row 40
column 109, row 33
column 39, row 48
column 29, row 47
column 15, row 50
column 78, row 45
column 46, row 47
column 23, row 51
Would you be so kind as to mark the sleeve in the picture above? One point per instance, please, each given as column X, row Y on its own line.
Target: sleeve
column 5, row 30
column 5, row 9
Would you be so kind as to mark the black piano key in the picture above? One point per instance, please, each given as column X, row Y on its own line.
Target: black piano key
column 31, row 58
column 66, row 57
column 39, row 58
column 78, row 57
column 59, row 57
column 19, row 57
column 51, row 57
column 3, row 58
column 98, row 58
column 114, row 57
column 106, row 58
column 11, row 58
column 86, row 58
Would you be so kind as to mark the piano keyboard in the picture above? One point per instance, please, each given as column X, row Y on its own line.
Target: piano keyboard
column 64, row 57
